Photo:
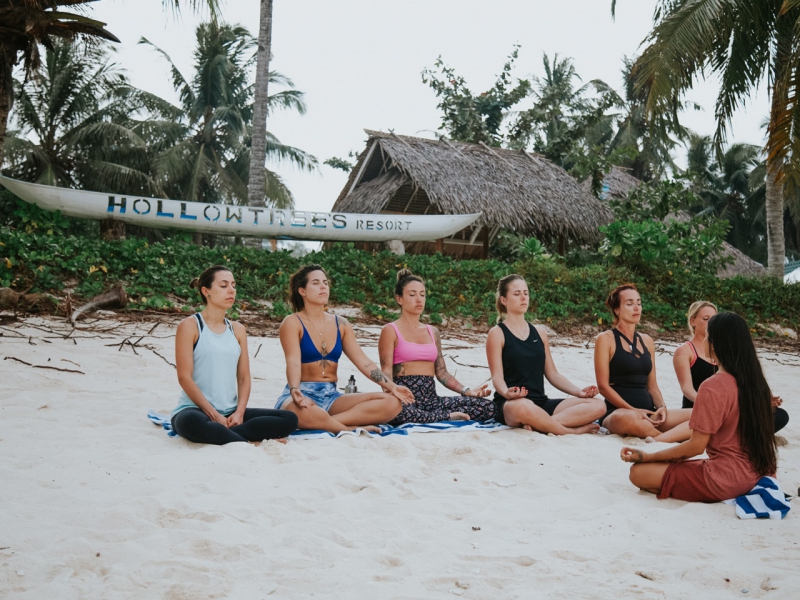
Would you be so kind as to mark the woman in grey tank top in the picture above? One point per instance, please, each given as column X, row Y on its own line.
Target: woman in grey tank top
column 214, row 372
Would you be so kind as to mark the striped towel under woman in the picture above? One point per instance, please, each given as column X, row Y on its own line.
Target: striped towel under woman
column 765, row 501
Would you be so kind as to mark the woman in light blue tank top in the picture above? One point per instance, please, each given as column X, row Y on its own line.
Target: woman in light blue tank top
column 214, row 372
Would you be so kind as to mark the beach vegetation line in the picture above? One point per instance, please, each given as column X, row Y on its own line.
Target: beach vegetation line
column 46, row 252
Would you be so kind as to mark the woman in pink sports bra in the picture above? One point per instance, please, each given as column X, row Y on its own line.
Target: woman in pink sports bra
column 411, row 356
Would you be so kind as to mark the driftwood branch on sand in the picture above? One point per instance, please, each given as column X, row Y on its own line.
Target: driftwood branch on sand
column 116, row 297
column 9, row 299
column 44, row 366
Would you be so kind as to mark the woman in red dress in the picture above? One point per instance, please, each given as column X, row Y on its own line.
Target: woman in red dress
column 732, row 421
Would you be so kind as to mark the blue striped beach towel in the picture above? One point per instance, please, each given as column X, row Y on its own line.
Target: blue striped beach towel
column 765, row 501
column 310, row 434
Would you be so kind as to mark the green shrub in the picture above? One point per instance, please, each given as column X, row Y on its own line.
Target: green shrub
column 157, row 276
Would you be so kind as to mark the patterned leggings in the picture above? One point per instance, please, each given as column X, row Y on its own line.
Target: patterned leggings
column 429, row 408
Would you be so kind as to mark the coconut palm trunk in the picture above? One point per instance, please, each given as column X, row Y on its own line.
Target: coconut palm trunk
column 258, row 148
column 6, row 98
column 776, row 246
column 774, row 190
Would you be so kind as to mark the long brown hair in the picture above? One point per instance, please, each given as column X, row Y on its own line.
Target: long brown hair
column 300, row 280
column 502, row 292
column 730, row 341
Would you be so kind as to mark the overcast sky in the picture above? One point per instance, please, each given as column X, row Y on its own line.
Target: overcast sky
column 359, row 62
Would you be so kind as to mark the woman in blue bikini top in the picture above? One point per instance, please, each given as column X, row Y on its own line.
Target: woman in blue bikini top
column 313, row 342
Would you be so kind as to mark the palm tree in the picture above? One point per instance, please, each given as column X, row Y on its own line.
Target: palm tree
column 651, row 139
column 567, row 124
column 258, row 146
column 731, row 188
column 27, row 24
column 204, row 151
column 741, row 42
column 73, row 125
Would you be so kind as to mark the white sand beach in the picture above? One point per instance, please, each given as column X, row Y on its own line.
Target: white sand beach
column 97, row 502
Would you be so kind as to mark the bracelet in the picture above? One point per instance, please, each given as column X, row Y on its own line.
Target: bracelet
column 294, row 387
column 464, row 390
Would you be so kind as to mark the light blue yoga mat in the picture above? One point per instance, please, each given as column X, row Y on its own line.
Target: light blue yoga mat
column 310, row 434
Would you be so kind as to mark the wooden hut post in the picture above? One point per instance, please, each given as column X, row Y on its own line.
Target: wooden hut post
column 440, row 245
column 485, row 253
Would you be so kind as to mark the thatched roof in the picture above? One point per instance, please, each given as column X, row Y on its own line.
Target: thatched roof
column 616, row 184
column 514, row 190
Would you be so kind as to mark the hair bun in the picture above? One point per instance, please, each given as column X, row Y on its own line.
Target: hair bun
column 404, row 273
column 195, row 283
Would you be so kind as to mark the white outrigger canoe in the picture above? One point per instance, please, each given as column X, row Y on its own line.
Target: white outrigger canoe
column 228, row 219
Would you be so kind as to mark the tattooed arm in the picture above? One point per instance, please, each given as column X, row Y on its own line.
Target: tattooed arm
column 444, row 377
column 368, row 367
column 447, row 380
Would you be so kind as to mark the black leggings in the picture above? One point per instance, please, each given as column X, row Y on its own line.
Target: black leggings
column 258, row 424
column 781, row 416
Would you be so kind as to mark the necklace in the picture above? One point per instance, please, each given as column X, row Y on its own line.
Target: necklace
column 517, row 333
column 324, row 353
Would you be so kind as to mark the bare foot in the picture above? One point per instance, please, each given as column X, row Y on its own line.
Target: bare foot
column 256, row 443
column 649, row 439
column 370, row 428
column 527, row 428
column 590, row 428
column 282, row 440
column 459, row 416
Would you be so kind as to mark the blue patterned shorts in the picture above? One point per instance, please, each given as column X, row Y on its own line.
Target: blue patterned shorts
column 322, row 393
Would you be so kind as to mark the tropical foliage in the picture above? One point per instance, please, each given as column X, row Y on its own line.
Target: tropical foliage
column 206, row 139
column 80, row 124
column 585, row 128
column 740, row 43
column 41, row 251
column 731, row 188
column 71, row 125
column 27, row 24
column 653, row 233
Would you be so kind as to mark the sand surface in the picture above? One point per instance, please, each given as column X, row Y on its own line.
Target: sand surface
column 96, row 502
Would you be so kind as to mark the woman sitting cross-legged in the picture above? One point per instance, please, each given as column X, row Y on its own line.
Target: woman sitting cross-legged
column 693, row 368
column 626, row 374
column 313, row 342
column 214, row 372
column 519, row 360
column 411, row 355
column 732, row 421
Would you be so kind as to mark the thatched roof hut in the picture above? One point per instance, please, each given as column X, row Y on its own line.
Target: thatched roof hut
column 514, row 190
column 616, row 184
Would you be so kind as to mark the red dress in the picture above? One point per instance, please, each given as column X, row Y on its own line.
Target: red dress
column 727, row 472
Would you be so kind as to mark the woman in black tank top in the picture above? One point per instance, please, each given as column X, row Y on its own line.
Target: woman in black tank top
column 519, row 360
column 692, row 366
column 626, row 374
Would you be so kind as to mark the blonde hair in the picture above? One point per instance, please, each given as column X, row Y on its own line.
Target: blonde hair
column 502, row 292
column 695, row 308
